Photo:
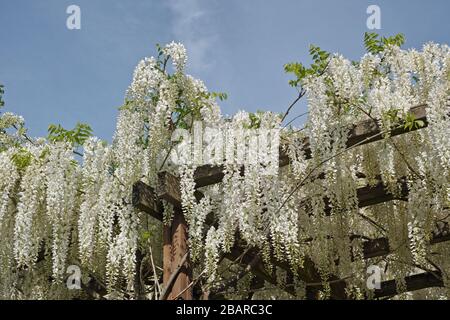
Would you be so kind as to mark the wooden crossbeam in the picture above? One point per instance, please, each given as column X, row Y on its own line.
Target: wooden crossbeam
column 170, row 191
column 413, row 283
column 252, row 260
column 380, row 247
column 144, row 199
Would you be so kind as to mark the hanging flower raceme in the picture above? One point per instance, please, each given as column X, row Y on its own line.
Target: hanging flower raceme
column 30, row 224
column 61, row 173
column 9, row 176
column 95, row 176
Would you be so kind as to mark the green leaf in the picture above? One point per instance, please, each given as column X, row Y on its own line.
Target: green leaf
column 22, row 159
column 419, row 124
column 77, row 136
column 374, row 44
column 412, row 123
column 145, row 236
column 320, row 61
column 222, row 96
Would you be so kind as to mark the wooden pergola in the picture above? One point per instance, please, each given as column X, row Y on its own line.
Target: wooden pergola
column 177, row 269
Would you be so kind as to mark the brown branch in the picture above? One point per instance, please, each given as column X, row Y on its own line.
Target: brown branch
column 193, row 283
column 300, row 95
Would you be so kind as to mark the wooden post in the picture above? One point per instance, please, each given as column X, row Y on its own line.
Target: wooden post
column 175, row 248
column 167, row 254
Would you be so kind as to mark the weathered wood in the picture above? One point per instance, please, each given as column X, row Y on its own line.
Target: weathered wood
column 170, row 189
column 167, row 254
column 169, row 285
column 370, row 195
column 179, row 250
column 174, row 237
column 144, row 199
column 413, row 283
column 369, row 128
column 380, row 247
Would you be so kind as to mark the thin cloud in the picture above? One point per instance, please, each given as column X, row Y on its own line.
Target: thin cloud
column 191, row 26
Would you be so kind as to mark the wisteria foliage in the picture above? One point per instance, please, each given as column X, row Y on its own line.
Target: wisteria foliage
column 57, row 210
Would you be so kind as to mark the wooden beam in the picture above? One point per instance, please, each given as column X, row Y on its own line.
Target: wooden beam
column 174, row 236
column 368, row 128
column 413, row 283
column 144, row 199
column 376, row 194
column 371, row 195
column 170, row 191
column 380, row 247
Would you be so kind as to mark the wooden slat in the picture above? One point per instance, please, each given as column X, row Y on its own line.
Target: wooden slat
column 144, row 199
column 413, row 283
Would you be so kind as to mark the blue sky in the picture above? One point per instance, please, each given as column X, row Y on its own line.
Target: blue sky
column 55, row 75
